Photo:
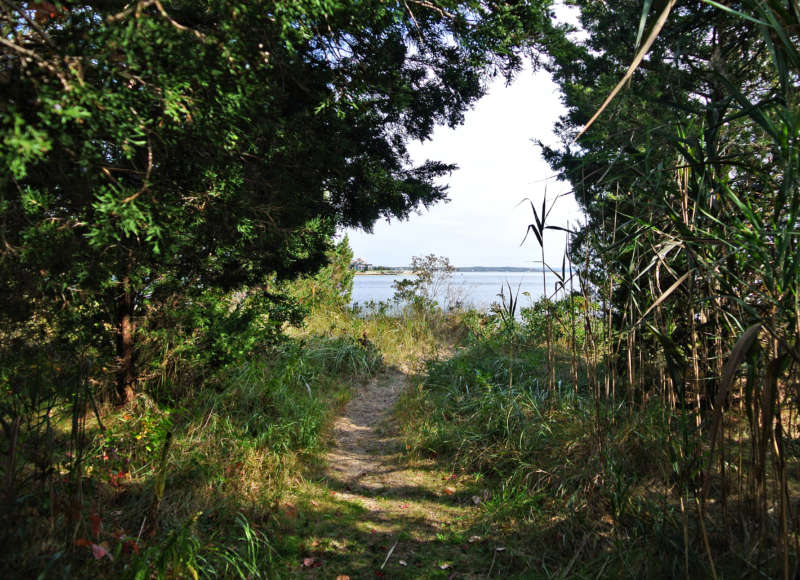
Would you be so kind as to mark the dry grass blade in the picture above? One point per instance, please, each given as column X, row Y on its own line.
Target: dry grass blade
column 664, row 296
column 659, row 24
column 389, row 555
column 738, row 354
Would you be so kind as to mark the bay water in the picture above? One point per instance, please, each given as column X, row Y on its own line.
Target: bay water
column 470, row 289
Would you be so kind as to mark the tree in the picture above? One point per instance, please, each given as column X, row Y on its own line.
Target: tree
column 690, row 184
column 154, row 150
column 432, row 274
column 332, row 287
column 650, row 171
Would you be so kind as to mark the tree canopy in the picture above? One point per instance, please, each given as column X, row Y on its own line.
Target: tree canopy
column 154, row 149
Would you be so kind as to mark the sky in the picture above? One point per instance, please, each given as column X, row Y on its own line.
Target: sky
column 483, row 224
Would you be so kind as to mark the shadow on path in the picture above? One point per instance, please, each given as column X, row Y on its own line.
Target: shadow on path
column 375, row 513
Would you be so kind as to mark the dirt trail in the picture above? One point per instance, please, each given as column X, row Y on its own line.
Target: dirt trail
column 366, row 460
column 365, row 442
column 376, row 513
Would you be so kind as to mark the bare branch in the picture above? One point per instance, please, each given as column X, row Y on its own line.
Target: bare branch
column 176, row 24
column 39, row 60
column 29, row 20
column 442, row 12
column 145, row 185
column 414, row 20
column 128, row 10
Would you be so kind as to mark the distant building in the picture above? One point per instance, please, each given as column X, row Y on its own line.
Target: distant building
column 359, row 265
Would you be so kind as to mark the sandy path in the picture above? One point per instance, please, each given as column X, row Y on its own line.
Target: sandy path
column 365, row 442
column 366, row 463
column 376, row 512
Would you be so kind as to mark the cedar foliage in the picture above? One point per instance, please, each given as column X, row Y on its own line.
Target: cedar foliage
column 155, row 151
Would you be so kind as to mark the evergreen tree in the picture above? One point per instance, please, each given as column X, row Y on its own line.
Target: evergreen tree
column 153, row 150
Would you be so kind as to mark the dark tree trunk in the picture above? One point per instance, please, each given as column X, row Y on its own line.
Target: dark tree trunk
column 126, row 329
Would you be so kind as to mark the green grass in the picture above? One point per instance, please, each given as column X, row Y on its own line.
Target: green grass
column 239, row 441
column 573, row 489
column 403, row 338
column 542, row 483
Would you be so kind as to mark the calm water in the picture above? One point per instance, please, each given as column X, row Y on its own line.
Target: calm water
column 476, row 289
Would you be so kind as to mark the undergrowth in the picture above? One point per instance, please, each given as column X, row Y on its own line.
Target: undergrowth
column 181, row 491
column 404, row 336
column 576, row 489
column 568, row 483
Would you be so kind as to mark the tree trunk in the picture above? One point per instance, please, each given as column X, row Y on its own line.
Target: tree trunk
column 126, row 329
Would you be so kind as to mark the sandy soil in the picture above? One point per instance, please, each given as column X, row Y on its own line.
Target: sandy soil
column 367, row 464
column 376, row 512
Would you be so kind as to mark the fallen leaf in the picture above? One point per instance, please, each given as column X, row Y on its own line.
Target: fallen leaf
column 499, row 549
column 444, row 566
column 402, row 562
column 449, row 490
column 404, row 506
column 343, row 577
column 311, row 563
column 100, row 550
column 289, row 510
column 476, row 499
column 473, row 539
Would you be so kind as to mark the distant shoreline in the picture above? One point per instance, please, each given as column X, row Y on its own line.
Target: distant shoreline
column 385, row 272
column 408, row 272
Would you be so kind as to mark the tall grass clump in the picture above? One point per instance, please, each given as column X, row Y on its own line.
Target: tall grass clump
column 618, row 479
column 544, row 463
